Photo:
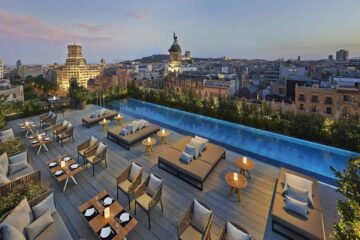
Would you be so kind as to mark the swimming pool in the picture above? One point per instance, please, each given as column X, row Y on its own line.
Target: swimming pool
column 281, row 150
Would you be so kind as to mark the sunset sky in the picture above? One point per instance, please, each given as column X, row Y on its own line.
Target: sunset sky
column 38, row 31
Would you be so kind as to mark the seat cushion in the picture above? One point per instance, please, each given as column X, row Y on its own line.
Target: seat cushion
column 21, row 173
column 8, row 232
column 233, row 233
column 134, row 171
column 37, row 226
column 154, row 184
column 48, row 203
column 191, row 233
column 91, row 159
column 18, row 157
column 125, row 185
column 299, row 182
column 55, row 231
column 20, row 217
column 3, row 179
column 144, row 201
column 4, row 163
column 18, row 166
column 200, row 216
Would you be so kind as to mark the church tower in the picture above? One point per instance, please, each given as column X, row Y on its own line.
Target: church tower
column 175, row 56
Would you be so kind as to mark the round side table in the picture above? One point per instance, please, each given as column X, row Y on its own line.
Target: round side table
column 104, row 125
column 148, row 145
column 118, row 119
column 245, row 167
column 163, row 134
column 236, row 184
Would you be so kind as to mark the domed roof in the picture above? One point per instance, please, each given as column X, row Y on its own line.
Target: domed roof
column 175, row 47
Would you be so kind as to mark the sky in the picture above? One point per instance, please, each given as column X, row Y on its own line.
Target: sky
column 38, row 31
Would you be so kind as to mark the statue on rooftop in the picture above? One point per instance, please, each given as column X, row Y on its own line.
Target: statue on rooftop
column 175, row 37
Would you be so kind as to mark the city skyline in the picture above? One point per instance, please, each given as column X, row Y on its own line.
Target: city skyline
column 38, row 32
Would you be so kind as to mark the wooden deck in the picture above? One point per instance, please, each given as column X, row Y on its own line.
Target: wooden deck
column 253, row 213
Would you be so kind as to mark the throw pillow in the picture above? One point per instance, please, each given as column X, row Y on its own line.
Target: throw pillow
column 299, row 182
column 65, row 123
column 124, row 132
column 18, row 158
column 8, row 133
column 48, row 203
column 69, row 126
column 4, row 180
column 293, row 205
column 196, row 145
column 186, row 158
column 233, row 233
column 297, row 193
column 100, row 148
column 20, row 217
column 8, row 232
column 154, row 184
column 134, row 171
column 40, row 224
column 191, row 150
column 200, row 217
column 203, row 142
column 103, row 111
column 18, row 166
column 4, row 163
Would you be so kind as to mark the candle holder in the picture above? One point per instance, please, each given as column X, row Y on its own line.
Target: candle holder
column 106, row 212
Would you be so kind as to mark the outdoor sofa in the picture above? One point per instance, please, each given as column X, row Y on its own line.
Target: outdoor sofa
column 97, row 117
column 196, row 172
column 127, row 140
column 25, row 214
column 292, row 225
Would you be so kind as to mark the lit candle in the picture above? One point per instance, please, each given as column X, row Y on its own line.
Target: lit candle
column 54, row 98
column 106, row 212
column 119, row 115
column 163, row 131
column 245, row 160
column 26, row 123
column 235, row 176
column 149, row 139
column 39, row 136
column 62, row 164
column 104, row 120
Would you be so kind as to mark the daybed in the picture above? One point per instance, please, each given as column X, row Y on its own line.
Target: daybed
column 196, row 172
column 290, row 224
column 98, row 116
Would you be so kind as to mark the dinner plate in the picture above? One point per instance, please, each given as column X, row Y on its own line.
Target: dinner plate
column 74, row 166
column 67, row 158
column 57, row 173
column 31, row 137
column 105, row 232
column 52, row 164
column 35, row 141
column 89, row 212
column 124, row 217
column 47, row 139
column 108, row 201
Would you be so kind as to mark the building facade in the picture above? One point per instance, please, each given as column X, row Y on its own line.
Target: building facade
column 175, row 56
column 1, row 68
column 13, row 93
column 332, row 102
column 76, row 68
column 342, row 55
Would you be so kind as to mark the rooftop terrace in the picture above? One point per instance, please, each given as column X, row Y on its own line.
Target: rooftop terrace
column 253, row 213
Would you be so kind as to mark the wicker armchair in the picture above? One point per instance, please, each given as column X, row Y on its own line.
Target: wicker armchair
column 223, row 232
column 185, row 221
column 49, row 121
column 59, row 128
column 44, row 117
column 145, row 200
column 68, row 133
column 125, row 185
column 95, row 158
column 84, row 148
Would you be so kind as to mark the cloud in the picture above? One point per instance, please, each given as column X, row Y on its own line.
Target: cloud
column 91, row 28
column 19, row 27
column 140, row 14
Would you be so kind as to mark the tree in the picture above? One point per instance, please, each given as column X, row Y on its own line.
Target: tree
column 77, row 94
column 348, row 227
column 3, row 110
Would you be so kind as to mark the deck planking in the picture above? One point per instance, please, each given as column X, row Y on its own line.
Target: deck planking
column 253, row 213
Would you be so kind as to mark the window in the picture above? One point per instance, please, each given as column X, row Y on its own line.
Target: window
column 346, row 98
column 328, row 100
column 328, row 110
column 14, row 95
column 301, row 107
column 301, row 97
column 314, row 108
column 346, row 112
column 314, row 99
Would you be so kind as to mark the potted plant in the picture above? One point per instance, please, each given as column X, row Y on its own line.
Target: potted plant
column 348, row 209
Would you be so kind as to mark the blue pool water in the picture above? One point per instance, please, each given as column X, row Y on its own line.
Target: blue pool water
column 309, row 157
